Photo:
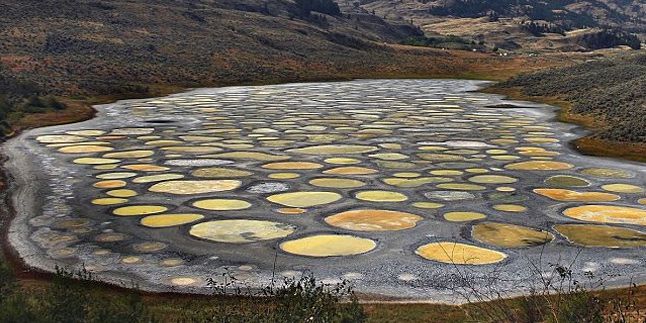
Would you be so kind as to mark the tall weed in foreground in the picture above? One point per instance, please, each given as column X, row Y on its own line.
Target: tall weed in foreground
column 556, row 295
column 293, row 300
column 74, row 297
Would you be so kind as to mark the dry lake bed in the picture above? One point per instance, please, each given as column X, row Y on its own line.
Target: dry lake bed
column 393, row 185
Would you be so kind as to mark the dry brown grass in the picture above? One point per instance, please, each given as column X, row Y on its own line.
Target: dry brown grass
column 74, row 111
column 600, row 147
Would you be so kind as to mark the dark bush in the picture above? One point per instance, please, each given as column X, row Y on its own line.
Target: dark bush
column 609, row 38
column 538, row 29
column 452, row 42
column 37, row 104
column 328, row 7
column 348, row 41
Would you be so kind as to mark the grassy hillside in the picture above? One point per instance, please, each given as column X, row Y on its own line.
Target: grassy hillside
column 121, row 46
column 521, row 25
column 606, row 94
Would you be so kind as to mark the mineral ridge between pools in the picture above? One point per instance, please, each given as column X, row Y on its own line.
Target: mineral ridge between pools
column 393, row 184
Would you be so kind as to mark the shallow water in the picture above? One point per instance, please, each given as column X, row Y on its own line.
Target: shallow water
column 372, row 181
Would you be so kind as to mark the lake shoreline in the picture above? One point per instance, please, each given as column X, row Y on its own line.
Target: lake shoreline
column 587, row 144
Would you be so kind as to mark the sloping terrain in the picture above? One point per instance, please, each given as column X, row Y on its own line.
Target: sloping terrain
column 94, row 45
column 606, row 94
column 563, row 25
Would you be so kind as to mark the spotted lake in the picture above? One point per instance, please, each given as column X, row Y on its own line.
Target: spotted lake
column 398, row 186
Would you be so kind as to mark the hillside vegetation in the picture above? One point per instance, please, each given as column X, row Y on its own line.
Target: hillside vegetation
column 607, row 94
column 527, row 25
column 70, row 47
column 19, row 98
